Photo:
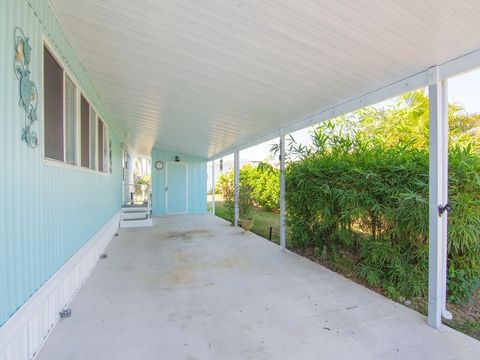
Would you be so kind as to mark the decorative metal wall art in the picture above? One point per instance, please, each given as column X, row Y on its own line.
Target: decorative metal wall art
column 28, row 89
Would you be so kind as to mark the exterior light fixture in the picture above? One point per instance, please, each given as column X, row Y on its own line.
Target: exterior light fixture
column 221, row 164
column 177, row 159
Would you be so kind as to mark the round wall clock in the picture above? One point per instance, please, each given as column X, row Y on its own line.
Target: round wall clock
column 159, row 165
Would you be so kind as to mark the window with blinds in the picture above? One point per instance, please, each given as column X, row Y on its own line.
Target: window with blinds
column 93, row 140
column 103, row 162
column 73, row 133
column 100, row 145
column 106, row 160
column 53, row 107
column 70, row 121
column 85, row 132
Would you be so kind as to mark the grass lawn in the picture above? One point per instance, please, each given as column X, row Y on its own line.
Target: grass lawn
column 466, row 317
column 263, row 221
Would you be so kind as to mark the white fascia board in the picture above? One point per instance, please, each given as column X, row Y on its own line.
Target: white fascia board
column 448, row 69
column 460, row 65
column 411, row 83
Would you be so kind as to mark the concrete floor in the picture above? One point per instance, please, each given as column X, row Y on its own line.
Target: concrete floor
column 193, row 287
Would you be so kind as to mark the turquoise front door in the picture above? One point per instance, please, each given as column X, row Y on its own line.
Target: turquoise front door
column 176, row 196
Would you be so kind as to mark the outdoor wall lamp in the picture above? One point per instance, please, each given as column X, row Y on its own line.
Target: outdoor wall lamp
column 177, row 158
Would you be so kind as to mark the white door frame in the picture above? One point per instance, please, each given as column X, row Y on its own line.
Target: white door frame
column 166, row 187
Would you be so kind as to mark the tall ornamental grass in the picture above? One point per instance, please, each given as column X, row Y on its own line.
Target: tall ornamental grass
column 362, row 200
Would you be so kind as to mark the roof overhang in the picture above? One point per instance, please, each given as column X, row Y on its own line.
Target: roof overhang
column 206, row 78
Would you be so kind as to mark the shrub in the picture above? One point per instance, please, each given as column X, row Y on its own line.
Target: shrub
column 266, row 187
column 368, row 202
column 262, row 182
column 226, row 188
column 245, row 202
column 360, row 192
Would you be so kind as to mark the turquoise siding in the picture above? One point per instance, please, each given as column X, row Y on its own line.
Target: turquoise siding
column 197, row 182
column 177, row 187
column 46, row 212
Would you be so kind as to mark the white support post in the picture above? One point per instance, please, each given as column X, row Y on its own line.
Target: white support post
column 236, row 164
column 282, row 190
column 445, row 129
column 130, row 188
column 213, row 187
column 438, row 180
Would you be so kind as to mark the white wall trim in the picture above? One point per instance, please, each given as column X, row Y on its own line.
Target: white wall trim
column 23, row 335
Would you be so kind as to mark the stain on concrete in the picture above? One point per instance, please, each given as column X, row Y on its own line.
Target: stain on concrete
column 185, row 235
column 229, row 262
column 187, row 270
column 181, row 276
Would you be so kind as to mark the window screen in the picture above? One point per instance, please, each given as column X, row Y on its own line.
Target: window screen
column 100, row 145
column 63, row 131
column 70, row 122
column 53, row 107
column 85, row 132
column 93, row 140
column 106, row 160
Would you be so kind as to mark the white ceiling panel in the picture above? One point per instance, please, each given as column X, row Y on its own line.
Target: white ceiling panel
column 199, row 77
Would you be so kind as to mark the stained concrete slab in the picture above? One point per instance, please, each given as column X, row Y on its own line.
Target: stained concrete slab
column 194, row 287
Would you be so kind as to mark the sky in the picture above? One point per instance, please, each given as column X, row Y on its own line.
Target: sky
column 463, row 89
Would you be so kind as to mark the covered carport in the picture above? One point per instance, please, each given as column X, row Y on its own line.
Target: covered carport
column 194, row 287
column 212, row 78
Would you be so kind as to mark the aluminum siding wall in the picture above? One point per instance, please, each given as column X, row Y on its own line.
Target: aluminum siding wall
column 46, row 212
column 197, row 182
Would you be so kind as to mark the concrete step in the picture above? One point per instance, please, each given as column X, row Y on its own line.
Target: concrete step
column 133, row 223
column 135, row 215
column 135, row 209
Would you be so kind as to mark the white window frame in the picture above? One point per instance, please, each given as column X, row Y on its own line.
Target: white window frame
column 105, row 139
column 77, row 120
column 105, row 159
column 79, row 92
column 95, row 136
column 46, row 44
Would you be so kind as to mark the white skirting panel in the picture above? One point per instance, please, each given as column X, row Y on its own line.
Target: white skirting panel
column 22, row 336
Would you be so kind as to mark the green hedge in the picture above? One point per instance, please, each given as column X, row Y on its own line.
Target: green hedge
column 368, row 206
column 264, row 183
